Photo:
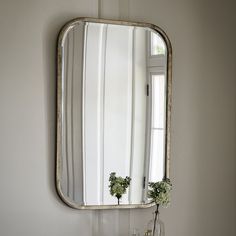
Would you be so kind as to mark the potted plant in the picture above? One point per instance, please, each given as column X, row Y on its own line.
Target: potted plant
column 118, row 185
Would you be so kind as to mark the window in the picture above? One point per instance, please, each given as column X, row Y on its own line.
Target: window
column 156, row 69
column 157, row 45
column 157, row 131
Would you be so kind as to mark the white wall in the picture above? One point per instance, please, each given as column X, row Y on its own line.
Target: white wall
column 203, row 167
column 203, row 163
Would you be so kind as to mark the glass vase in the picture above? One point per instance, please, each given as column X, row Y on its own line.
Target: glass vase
column 158, row 227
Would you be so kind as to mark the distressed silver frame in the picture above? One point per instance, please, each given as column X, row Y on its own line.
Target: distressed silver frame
column 59, row 105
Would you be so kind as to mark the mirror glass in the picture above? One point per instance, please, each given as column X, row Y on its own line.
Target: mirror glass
column 112, row 111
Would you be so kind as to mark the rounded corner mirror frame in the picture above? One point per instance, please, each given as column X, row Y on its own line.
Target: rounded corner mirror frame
column 60, row 39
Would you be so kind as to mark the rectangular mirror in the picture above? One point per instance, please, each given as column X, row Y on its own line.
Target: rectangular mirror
column 113, row 111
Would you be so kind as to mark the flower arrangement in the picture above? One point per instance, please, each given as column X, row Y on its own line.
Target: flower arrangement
column 159, row 193
column 118, row 185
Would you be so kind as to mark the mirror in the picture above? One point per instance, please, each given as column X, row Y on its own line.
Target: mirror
column 113, row 111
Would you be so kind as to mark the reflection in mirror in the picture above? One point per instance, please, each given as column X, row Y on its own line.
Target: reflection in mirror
column 112, row 109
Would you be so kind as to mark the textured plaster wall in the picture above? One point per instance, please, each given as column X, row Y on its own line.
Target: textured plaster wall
column 203, row 166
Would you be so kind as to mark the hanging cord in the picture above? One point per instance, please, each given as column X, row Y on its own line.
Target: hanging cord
column 123, row 11
column 99, row 8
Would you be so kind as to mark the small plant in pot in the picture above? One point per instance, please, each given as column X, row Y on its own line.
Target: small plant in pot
column 118, row 185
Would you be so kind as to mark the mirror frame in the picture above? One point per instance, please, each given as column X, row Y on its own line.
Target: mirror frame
column 61, row 36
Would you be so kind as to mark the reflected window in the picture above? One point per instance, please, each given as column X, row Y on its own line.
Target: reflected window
column 157, row 45
column 157, row 127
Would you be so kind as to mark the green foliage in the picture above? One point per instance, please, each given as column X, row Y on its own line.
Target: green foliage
column 118, row 185
column 159, row 192
column 158, row 50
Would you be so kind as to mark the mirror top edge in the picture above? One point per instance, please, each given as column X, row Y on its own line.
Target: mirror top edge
column 109, row 21
column 77, row 20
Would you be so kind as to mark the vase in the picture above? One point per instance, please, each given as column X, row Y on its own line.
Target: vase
column 159, row 227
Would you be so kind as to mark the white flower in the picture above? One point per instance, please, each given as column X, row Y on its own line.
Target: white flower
column 159, row 192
